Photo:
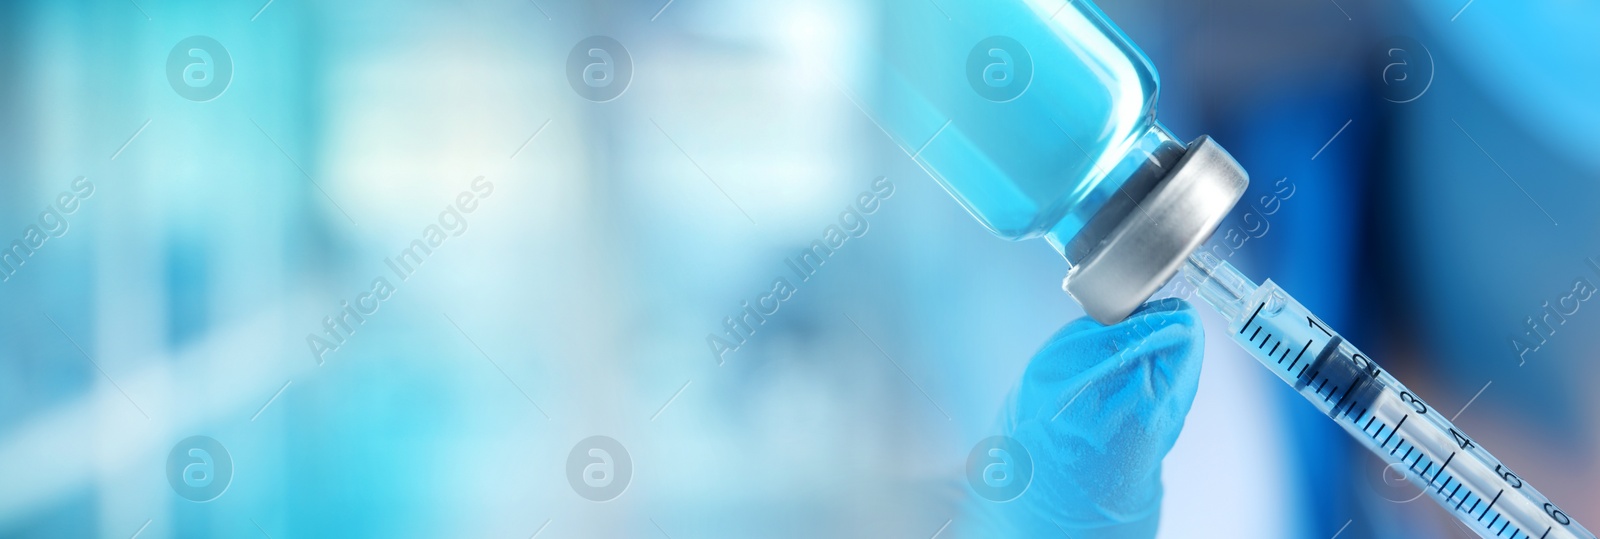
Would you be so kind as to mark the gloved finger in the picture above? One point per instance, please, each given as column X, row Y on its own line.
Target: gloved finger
column 1097, row 410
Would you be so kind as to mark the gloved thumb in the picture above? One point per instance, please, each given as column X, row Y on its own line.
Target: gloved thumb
column 1096, row 411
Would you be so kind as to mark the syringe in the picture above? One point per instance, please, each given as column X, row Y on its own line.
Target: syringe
column 1376, row 409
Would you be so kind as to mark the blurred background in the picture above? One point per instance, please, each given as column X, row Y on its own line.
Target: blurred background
column 397, row 268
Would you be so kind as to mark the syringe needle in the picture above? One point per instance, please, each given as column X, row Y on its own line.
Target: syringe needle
column 1218, row 283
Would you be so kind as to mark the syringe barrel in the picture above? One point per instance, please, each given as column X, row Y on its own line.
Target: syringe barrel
column 1387, row 418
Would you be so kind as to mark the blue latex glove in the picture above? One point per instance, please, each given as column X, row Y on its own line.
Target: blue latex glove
column 1097, row 410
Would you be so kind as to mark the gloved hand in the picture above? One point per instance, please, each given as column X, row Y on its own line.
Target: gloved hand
column 1097, row 410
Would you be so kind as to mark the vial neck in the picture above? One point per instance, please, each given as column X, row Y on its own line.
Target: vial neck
column 1146, row 159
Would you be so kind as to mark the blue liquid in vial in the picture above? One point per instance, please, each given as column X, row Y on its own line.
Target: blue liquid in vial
column 1032, row 113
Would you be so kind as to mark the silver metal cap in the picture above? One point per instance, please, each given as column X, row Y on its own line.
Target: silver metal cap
column 1142, row 252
